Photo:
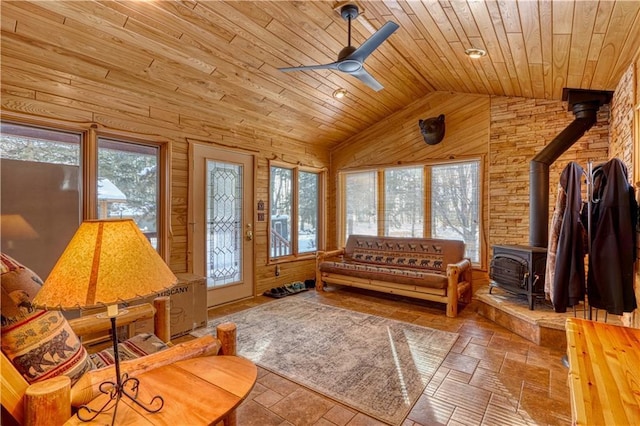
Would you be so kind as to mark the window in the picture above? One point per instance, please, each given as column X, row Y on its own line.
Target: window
column 56, row 178
column 308, row 207
column 455, row 204
column 434, row 200
column 128, row 185
column 404, row 202
column 40, row 193
column 294, row 211
column 361, row 203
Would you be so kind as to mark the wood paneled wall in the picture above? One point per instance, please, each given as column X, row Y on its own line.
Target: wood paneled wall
column 43, row 96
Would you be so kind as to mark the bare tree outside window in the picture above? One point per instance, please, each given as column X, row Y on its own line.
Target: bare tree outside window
column 308, row 186
column 294, row 211
column 452, row 202
column 455, row 204
column 281, row 211
column 404, row 202
column 361, row 203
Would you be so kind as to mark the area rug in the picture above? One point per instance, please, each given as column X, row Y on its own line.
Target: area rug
column 375, row 365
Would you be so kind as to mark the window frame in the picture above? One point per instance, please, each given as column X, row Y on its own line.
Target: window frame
column 89, row 167
column 295, row 251
column 428, row 214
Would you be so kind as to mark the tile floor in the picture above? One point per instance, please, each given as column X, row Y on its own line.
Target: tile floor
column 490, row 377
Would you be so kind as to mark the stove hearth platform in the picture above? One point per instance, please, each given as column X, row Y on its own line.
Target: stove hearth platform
column 542, row 326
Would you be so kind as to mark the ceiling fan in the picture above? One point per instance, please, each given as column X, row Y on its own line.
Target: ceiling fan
column 351, row 60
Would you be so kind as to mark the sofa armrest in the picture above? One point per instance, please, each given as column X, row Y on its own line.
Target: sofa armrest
column 461, row 267
column 94, row 324
column 320, row 257
column 459, row 285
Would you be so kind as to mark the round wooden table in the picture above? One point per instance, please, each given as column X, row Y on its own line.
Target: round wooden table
column 197, row 391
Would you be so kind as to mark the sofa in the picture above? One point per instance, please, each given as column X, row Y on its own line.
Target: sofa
column 422, row 268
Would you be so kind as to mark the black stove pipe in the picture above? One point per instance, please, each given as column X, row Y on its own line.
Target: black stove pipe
column 586, row 116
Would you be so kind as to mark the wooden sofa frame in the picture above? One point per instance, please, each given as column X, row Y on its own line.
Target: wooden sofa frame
column 50, row 401
column 459, row 283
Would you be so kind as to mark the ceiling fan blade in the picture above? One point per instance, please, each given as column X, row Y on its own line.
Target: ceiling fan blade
column 367, row 79
column 331, row 66
column 374, row 41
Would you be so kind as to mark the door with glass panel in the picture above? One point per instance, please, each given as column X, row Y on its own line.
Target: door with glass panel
column 221, row 219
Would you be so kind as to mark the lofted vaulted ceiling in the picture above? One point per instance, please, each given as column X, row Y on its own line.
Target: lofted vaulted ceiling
column 219, row 59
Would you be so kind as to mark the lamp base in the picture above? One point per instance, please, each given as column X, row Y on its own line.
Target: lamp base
column 129, row 389
column 123, row 386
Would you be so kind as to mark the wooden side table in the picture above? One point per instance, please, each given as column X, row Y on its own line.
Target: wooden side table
column 196, row 391
column 604, row 373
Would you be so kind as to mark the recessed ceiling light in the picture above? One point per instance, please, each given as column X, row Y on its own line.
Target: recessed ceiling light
column 340, row 93
column 475, row 53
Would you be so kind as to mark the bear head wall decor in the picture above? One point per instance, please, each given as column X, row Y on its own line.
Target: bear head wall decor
column 432, row 129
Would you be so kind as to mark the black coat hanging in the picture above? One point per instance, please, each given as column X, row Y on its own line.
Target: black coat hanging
column 565, row 277
column 613, row 220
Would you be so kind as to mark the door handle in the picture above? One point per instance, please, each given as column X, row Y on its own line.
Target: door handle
column 249, row 232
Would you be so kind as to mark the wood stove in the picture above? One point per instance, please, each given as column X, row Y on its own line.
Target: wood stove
column 519, row 270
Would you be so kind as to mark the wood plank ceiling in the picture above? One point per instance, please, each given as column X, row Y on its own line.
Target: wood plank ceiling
column 220, row 58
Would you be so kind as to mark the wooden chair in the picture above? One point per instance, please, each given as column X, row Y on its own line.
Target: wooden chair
column 50, row 401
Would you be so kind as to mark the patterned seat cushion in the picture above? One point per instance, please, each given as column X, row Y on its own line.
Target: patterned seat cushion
column 135, row 347
column 40, row 344
column 412, row 261
column 400, row 275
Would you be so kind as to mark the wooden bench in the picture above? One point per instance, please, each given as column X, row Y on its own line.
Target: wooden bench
column 604, row 373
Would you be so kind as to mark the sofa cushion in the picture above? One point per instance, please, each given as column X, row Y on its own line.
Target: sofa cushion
column 40, row 344
column 401, row 275
column 139, row 345
column 417, row 253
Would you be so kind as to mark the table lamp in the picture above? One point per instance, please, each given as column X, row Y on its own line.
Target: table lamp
column 107, row 262
column 15, row 227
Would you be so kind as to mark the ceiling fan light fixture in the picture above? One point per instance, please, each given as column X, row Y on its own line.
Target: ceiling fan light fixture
column 475, row 53
column 340, row 93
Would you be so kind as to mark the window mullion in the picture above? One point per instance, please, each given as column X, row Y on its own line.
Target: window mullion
column 427, row 202
column 294, row 210
column 381, row 204
column 341, row 210
column 90, row 175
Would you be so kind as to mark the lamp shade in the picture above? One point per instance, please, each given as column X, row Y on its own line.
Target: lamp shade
column 15, row 227
column 105, row 263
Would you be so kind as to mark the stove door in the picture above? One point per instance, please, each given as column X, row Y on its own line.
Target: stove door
column 509, row 271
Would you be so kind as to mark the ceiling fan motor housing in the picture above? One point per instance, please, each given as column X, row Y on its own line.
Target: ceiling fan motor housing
column 349, row 11
column 345, row 52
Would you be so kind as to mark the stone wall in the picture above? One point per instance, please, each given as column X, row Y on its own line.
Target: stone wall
column 622, row 111
column 519, row 129
column 624, row 148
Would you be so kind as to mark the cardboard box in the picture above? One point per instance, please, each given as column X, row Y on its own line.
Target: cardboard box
column 188, row 299
column 188, row 309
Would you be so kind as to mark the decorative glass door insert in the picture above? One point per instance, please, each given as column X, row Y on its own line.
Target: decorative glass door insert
column 224, row 223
